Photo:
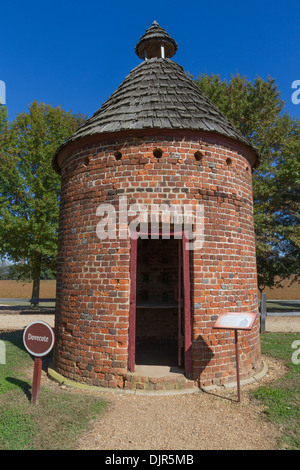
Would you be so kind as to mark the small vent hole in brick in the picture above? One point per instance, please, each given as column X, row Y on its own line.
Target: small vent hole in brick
column 86, row 161
column 157, row 153
column 118, row 155
column 198, row 156
column 228, row 161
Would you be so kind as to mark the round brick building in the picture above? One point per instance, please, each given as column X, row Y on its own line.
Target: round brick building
column 156, row 236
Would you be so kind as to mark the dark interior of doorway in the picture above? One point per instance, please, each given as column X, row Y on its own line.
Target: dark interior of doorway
column 157, row 302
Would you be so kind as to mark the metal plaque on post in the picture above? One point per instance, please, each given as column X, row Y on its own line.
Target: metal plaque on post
column 236, row 321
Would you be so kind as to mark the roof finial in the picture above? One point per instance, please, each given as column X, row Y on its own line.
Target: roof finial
column 156, row 42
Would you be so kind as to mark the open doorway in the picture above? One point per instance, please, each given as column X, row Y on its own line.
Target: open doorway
column 159, row 319
column 157, row 315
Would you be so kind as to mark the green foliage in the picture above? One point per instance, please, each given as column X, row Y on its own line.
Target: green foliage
column 29, row 188
column 257, row 110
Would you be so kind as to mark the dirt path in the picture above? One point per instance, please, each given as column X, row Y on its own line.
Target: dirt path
column 195, row 422
column 202, row 421
column 9, row 321
column 283, row 324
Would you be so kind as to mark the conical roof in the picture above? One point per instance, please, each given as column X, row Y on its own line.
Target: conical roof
column 157, row 94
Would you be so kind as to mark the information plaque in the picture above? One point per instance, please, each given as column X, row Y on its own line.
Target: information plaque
column 235, row 321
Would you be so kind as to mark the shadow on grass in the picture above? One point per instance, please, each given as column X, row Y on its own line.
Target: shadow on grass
column 13, row 336
column 280, row 306
column 16, row 339
column 24, row 386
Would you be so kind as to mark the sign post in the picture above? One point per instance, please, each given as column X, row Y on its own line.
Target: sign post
column 36, row 380
column 39, row 340
column 237, row 365
column 236, row 321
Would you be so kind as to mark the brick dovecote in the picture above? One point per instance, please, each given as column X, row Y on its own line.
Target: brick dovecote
column 156, row 140
column 93, row 283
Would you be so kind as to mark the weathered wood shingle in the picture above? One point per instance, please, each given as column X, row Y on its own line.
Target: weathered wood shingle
column 157, row 94
column 154, row 37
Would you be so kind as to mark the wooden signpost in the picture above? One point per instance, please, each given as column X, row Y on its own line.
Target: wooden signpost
column 236, row 321
column 39, row 340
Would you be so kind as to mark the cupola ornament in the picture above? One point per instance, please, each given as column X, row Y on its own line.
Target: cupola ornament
column 156, row 42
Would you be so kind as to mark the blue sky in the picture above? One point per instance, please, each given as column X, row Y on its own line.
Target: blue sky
column 76, row 53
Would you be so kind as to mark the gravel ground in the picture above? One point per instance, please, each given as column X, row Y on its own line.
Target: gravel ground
column 9, row 321
column 283, row 324
column 201, row 421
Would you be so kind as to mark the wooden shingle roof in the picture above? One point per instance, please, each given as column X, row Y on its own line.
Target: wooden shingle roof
column 157, row 94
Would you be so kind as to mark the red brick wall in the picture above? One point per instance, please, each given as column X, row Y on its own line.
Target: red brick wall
column 93, row 275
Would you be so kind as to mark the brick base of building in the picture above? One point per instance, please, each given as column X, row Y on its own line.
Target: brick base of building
column 136, row 382
column 132, row 381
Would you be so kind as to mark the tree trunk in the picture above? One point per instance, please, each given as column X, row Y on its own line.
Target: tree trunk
column 36, row 274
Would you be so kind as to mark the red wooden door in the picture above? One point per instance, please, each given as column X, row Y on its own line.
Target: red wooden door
column 187, row 306
column 132, row 305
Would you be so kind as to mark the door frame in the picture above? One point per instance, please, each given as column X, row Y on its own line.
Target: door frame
column 186, row 302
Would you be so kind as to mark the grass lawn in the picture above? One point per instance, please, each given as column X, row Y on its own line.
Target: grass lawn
column 282, row 306
column 273, row 306
column 55, row 422
column 26, row 304
column 281, row 398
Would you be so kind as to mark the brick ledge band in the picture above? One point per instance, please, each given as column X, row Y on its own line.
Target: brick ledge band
column 71, row 383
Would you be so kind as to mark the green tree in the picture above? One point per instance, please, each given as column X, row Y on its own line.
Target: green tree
column 29, row 188
column 257, row 110
column 4, row 130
